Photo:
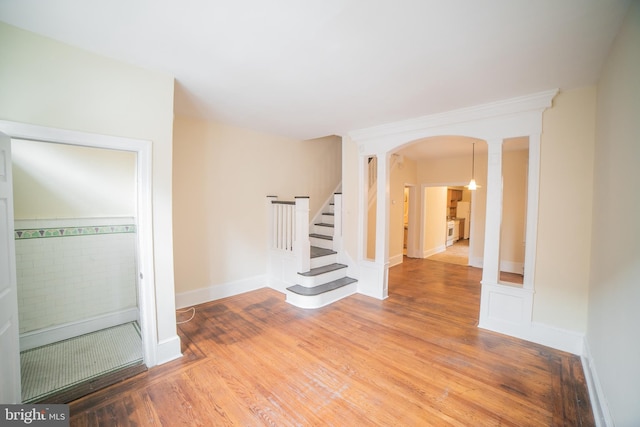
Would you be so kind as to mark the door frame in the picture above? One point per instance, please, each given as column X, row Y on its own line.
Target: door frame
column 144, row 217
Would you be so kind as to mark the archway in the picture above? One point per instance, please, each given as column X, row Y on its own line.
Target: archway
column 504, row 308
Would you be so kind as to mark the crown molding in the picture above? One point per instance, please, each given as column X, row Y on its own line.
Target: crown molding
column 523, row 104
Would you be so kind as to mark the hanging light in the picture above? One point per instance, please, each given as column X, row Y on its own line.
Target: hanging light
column 472, row 184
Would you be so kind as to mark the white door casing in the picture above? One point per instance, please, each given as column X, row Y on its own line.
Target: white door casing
column 144, row 220
column 10, row 387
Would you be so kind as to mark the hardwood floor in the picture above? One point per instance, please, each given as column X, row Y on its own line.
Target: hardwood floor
column 414, row 359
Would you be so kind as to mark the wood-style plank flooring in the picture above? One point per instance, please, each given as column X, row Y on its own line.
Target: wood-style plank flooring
column 414, row 359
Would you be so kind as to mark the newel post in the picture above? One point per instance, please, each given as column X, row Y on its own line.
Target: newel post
column 302, row 244
column 337, row 222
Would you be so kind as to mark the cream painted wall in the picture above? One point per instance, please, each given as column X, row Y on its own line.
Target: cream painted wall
column 222, row 175
column 614, row 284
column 48, row 83
column 514, row 173
column 350, row 203
column 67, row 181
column 564, row 221
column 435, row 219
column 402, row 173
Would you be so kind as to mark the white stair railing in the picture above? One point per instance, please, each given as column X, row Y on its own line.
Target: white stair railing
column 289, row 229
column 282, row 221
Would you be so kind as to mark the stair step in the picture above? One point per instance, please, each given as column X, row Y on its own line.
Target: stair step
column 317, row 252
column 321, row 236
column 324, row 269
column 321, row 289
column 324, row 224
column 328, row 213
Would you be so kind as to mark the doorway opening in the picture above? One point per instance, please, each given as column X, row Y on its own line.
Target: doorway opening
column 143, row 242
column 76, row 262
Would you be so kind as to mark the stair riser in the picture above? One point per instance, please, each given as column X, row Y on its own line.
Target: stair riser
column 330, row 276
column 321, row 300
column 322, row 243
column 328, row 219
column 320, row 229
column 321, row 261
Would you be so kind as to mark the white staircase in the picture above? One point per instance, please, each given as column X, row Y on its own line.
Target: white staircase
column 325, row 279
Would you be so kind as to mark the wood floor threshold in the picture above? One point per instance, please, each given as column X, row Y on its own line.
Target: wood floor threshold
column 91, row 386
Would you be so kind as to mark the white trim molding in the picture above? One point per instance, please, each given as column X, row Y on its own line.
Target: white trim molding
column 33, row 339
column 145, row 244
column 168, row 350
column 395, row 260
column 224, row 290
column 597, row 397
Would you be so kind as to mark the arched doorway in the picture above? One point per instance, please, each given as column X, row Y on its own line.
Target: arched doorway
column 504, row 308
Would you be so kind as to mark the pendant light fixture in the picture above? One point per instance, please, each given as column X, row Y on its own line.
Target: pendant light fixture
column 472, row 184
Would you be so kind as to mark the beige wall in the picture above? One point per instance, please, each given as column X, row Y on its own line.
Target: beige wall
column 47, row 83
column 514, row 187
column 435, row 218
column 350, row 165
column 564, row 221
column 614, row 283
column 222, row 175
column 68, row 181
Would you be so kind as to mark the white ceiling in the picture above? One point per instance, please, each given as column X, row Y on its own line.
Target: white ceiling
column 313, row 68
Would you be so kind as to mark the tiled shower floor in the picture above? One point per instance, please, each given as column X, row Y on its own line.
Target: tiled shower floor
column 60, row 366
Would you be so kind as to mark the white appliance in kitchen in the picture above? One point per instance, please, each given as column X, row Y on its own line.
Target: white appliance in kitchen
column 463, row 210
column 451, row 225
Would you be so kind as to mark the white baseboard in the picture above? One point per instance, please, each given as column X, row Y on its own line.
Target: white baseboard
column 395, row 260
column 215, row 292
column 168, row 350
column 512, row 267
column 596, row 394
column 560, row 339
column 428, row 252
column 476, row 262
column 33, row 339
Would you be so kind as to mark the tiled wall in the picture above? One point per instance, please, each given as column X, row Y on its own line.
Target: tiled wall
column 74, row 269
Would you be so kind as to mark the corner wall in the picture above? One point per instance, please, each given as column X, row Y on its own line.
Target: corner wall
column 222, row 177
column 564, row 215
column 614, row 284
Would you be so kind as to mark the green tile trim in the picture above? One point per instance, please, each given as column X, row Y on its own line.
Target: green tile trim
column 42, row 233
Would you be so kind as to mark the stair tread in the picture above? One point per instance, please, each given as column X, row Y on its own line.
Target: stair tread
column 324, row 269
column 317, row 252
column 321, row 289
column 328, row 213
column 321, row 236
column 324, row 224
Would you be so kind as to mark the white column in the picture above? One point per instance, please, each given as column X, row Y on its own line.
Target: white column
column 491, row 258
column 337, row 222
column 533, row 189
column 301, row 243
column 382, row 225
